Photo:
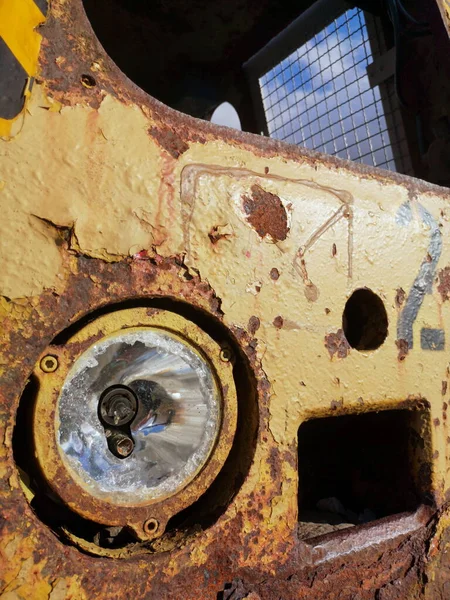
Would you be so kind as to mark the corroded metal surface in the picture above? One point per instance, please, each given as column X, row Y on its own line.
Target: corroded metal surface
column 107, row 198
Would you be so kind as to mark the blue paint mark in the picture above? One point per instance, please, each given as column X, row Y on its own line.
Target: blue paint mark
column 423, row 283
column 432, row 339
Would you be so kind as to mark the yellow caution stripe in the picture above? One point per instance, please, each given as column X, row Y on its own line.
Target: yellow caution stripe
column 19, row 51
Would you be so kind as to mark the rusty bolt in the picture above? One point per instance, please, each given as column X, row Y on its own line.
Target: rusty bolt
column 151, row 526
column 120, row 444
column 226, row 355
column 49, row 364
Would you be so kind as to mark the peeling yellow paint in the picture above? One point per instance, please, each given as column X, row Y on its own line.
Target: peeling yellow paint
column 199, row 556
column 99, row 173
column 96, row 179
column 67, row 589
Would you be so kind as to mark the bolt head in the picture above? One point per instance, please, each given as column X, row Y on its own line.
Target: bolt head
column 151, row 526
column 49, row 364
column 125, row 447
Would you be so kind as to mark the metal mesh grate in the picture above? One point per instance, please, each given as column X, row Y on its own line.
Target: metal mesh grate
column 320, row 97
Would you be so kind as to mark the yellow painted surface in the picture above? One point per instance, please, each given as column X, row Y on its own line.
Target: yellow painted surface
column 444, row 6
column 101, row 176
column 18, row 21
column 99, row 172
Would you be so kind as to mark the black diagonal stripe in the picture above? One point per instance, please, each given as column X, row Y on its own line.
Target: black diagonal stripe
column 13, row 78
column 43, row 5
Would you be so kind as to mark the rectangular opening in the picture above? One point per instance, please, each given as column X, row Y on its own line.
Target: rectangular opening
column 355, row 469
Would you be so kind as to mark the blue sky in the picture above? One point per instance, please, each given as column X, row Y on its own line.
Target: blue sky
column 225, row 114
column 320, row 96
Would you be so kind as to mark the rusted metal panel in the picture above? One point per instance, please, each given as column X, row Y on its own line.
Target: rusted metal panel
column 108, row 197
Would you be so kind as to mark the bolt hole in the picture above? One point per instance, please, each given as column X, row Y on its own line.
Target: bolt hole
column 150, row 526
column 365, row 321
column 88, row 81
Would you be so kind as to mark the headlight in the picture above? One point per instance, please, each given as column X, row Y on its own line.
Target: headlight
column 135, row 415
column 138, row 416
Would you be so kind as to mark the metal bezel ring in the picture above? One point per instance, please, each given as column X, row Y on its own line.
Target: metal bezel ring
column 70, row 491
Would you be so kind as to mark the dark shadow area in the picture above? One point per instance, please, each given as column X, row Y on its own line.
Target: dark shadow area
column 189, row 55
column 354, row 469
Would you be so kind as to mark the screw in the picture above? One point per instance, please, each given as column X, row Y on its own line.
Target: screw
column 49, row 364
column 120, row 444
column 226, row 355
column 151, row 526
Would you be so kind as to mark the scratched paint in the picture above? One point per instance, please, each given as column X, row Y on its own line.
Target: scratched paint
column 423, row 283
column 86, row 187
column 211, row 194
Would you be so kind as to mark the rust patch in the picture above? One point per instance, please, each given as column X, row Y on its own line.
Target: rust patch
column 273, row 460
column 333, row 250
column 436, row 422
column 266, row 214
column 336, row 343
column 444, row 283
column 311, row 292
column 175, row 140
column 274, row 274
column 169, row 141
column 403, row 349
column 400, row 297
column 278, row 322
column 253, row 324
column 444, row 387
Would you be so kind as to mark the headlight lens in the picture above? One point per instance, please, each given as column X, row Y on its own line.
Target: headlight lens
column 138, row 416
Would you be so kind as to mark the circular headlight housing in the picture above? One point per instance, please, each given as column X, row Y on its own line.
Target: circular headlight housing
column 136, row 418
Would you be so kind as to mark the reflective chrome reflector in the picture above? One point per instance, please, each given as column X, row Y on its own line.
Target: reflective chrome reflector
column 137, row 416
